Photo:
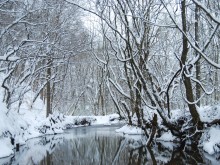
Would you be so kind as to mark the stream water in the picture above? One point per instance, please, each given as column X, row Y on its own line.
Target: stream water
column 102, row 146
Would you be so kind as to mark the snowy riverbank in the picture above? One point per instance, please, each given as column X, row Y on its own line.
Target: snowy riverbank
column 30, row 121
column 209, row 142
column 22, row 127
column 17, row 127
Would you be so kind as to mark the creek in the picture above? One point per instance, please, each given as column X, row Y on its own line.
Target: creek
column 101, row 145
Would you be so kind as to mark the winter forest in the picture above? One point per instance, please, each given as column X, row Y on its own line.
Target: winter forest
column 150, row 66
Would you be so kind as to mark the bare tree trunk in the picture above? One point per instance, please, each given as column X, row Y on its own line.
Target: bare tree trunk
column 198, row 68
column 187, row 81
column 48, row 110
column 153, row 130
column 216, row 70
column 217, row 78
column 138, row 103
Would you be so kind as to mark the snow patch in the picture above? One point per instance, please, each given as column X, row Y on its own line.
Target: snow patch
column 6, row 147
column 211, row 141
column 130, row 130
column 167, row 137
column 209, row 113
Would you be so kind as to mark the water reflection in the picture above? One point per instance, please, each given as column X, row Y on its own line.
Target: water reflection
column 102, row 146
column 91, row 146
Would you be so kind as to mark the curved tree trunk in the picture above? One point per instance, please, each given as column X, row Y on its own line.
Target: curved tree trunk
column 187, row 81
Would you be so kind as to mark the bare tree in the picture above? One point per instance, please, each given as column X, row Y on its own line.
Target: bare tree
column 136, row 77
column 37, row 45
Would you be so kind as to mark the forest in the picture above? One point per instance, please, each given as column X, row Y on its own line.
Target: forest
column 153, row 62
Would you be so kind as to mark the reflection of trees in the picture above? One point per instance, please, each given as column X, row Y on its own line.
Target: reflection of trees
column 96, row 149
column 160, row 154
column 154, row 162
column 189, row 156
column 138, row 156
column 120, row 148
column 178, row 155
column 46, row 160
column 87, row 150
column 104, row 148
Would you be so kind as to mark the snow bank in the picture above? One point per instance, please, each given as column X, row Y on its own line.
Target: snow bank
column 130, row 130
column 209, row 113
column 211, row 141
column 106, row 120
column 6, row 147
column 11, row 126
column 166, row 137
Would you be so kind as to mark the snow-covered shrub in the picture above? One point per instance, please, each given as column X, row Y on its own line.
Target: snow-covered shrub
column 53, row 124
column 115, row 117
column 79, row 121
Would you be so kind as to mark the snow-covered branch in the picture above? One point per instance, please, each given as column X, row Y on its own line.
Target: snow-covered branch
column 207, row 11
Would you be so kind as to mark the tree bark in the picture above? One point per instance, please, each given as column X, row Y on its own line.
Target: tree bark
column 48, row 110
column 198, row 72
column 153, row 130
column 187, row 82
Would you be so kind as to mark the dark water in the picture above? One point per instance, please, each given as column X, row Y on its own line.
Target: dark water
column 102, row 146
